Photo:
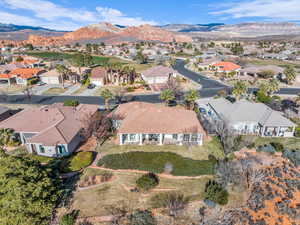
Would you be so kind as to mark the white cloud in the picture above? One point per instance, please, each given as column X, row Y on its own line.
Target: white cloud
column 46, row 13
column 117, row 17
column 287, row 10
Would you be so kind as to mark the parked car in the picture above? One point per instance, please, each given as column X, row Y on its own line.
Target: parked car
column 91, row 86
column 40, row 83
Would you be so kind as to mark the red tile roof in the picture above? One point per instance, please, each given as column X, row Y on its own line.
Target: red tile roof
column 98, row 72
column 5, row 76
column 227, row 66
column 26, row 73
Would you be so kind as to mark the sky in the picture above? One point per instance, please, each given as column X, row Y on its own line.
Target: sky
column 72, row 14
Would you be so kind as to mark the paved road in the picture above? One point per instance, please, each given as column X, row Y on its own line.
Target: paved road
column 209, row 88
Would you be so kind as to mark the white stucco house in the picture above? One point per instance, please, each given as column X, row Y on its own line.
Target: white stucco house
column 158, row 75
column 248, row 118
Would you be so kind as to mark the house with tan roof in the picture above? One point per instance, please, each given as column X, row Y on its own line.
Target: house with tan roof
column 145, row 123
column 51, row 77
column 52, row 131
column 158, row 75
column 98, row 76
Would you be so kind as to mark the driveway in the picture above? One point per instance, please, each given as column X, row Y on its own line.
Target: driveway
column 89, row 92
column 72, row 89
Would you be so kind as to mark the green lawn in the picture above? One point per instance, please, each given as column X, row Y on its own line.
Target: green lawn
column 156, row 162
column 288, row 143
column 77, row 161
column 261, row 62
column 212, row 147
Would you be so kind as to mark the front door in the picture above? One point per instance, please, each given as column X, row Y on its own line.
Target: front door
column 33, row 149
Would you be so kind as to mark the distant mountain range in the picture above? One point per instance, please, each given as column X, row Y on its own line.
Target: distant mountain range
column 186, row 28
column 13, row 27
column 110, row 33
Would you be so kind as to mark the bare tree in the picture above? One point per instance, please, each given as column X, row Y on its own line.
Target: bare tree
column 28, row 91
column 118, row 212
column 97, row 125
column 174, row 85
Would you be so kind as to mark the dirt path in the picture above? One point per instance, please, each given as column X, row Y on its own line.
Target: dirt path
column 168, row 176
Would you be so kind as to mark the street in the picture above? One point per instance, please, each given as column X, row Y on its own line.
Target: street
column 209, row 89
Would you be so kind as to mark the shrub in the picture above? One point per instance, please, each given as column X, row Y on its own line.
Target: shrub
column 142, row 217
column 106, row 176
column 130, row 89
column 266, row 148
column 155, row 162
column 173, row 201
column 216, row 193
column 262, row 97
column 147, row 181
column 297, row 131
column 278, row 146
column 68, row 219
column 77, row 162
column 73, row 103
column 293, row 155
column 32, row 81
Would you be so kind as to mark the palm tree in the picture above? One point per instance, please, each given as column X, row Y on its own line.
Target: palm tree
column 7, row 137
column 62, row 70
column 107, row 95
column 290, row 74
column 190, row 97
column 240, row 89
column 167, row 96
column 273, row 85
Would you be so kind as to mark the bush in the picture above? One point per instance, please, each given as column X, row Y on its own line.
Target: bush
column 297, row 131
column 130, row 89
column 216, row 193
column 32, row 81
column 106, row 176
column 262, row 97
column 147, row 181
column 293, row 155
column 73, row 103
column 155, row 162
column 68, row 219
column 173, row 201
column 77, row 162
column 278, row 146
column 267, row 148
column 142, row 217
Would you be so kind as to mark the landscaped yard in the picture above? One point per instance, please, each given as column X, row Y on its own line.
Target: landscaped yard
column 54, row 91
column 212, row 147
column 158, row 162
column 288, row 143
column 94, row 201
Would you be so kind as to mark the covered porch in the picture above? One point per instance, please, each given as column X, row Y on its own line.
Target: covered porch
column 161, row 139
column 277, row 131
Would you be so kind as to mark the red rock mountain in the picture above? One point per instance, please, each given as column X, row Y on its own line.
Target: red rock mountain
column 111, row 34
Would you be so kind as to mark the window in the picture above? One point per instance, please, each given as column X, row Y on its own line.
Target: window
column 132, row 137
column 42, row 149
column 186, row 137
column 175, row 136
column 194, row 137
column 153, row 137
column 61, row 149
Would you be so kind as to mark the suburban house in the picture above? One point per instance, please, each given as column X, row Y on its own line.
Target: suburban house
column 22, row 75
column 98, row 76
column 51, row 77
column 158, row 75
column 247, row 118
column 8, row 78
column 255, row 71
column 52, row 131
column 145, row 123
column 226, row 67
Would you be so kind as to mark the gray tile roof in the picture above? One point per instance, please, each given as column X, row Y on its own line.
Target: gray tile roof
column 246, row 111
